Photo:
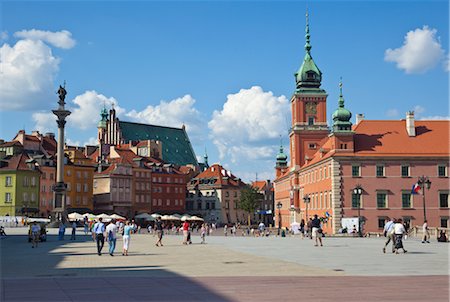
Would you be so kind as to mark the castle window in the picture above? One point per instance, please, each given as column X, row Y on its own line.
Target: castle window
column 380, row 171
column 442, row 171
column 310, row 120
column 312, row 146
column 405, row 170
column 356, row 171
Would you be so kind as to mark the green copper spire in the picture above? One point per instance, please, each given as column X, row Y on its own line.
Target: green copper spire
column 307, row 35
column 309, row 75
column 281, row 157
column 342, row 116
column 104, row 115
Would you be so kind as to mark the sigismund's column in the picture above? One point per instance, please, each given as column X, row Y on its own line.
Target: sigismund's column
column 60, row 187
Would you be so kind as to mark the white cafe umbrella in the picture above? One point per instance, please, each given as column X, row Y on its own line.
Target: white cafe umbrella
column 104, row 216
column 195, row 218
column 117, row 217
column 75, row 216
column 143, row 216
column 155, row 215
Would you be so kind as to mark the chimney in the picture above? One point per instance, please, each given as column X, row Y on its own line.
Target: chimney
column 410, row 128
column 50, row 135
column 359, row 118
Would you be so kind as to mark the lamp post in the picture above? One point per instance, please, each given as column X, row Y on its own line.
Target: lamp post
column 306, row 199
column 279, row 206
column 424, row 182
column 358, row 192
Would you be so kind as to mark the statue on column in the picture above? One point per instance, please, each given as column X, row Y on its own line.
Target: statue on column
column 62, row 95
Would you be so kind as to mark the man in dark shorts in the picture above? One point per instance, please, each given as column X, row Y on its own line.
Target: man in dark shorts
column 159, row 231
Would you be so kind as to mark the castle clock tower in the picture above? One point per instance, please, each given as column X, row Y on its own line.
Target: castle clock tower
column 309, row 109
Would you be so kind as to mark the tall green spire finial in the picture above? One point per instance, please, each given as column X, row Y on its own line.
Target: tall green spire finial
column 341, row 98
column 307, row 35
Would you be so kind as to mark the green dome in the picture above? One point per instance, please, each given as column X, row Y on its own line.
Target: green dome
column 281, row 158
column 308, row 75
column 342, row 115
column 104, row 115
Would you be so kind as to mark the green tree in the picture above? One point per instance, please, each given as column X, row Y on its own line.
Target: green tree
column 249, row 201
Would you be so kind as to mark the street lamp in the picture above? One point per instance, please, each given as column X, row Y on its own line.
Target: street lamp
column 424, row 182
column 358, row 192
column 279, row 206
column 306, row 199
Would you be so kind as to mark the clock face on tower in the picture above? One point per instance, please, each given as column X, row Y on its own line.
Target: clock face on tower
column 311, row 108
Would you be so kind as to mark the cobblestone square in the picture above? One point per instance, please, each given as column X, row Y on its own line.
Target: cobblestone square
column 223, row 269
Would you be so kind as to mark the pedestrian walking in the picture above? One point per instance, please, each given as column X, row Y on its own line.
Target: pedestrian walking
column 61, row 231
column 399, row 231
column 388, row 232
column 225, row 230
column 316, row 230
column 35, row 234
column 99, row 233
column 127, row 230
column 111, row 237
column 86, row 225
column 185, row 231
column 302, row 228
column 309, row 228
column 203, row 233
column 426, row 232
column 159, row 231
column 74, row 230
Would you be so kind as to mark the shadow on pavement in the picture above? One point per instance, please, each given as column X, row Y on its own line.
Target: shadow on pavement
column 37, row 275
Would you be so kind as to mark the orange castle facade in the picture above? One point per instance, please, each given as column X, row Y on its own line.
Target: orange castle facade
column 383, row 159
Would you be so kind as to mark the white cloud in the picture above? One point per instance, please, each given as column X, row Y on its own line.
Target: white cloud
column 421, row 51
column 92, row 141
column 246, row 131
column 28, row 69
column 60, row 39
column 27, row 74
column 418, row 110
column 86, row 109
column 70, row 142
column 392, row 113
column 435, row 118
column 4, row 35
column 174, row 113
column 45, row 122
column 251, row 115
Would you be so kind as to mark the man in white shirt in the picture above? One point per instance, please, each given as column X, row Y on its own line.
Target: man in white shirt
column 389, row 234
column 111, row 231
column 99, row 231
column 426, row 233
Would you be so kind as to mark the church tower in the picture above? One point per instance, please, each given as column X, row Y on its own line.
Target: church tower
column 342, row 134
column 309, row 109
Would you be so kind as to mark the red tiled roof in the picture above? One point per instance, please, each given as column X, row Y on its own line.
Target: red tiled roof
column 389, row 138
column 17, row 162
column 49, row 145
column 384, row 138
column 10, row 144
column 216, row 171
column 260, row 185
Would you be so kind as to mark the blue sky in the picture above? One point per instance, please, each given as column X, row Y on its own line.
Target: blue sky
column 225, row 69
